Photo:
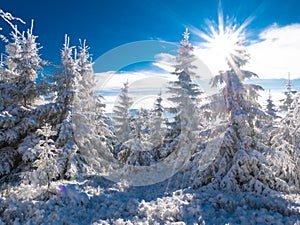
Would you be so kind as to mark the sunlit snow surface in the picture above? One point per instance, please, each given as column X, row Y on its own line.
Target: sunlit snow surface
column 98, row 201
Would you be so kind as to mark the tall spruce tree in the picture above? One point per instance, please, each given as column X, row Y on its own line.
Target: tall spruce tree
column 20, row 116
column 83, row 149
column 184, row 92
column 66, row 81
column 240, row 164
column 90, row 129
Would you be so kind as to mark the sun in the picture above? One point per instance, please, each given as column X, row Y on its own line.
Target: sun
column 224, row 43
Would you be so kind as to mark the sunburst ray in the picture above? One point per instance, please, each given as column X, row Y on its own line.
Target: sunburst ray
column 226, row 41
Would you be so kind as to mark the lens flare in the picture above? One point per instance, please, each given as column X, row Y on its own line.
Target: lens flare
column 225, row 42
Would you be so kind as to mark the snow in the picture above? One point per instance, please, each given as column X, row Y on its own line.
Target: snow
column 98, row 201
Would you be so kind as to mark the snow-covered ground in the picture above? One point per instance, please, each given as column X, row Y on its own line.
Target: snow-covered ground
column 95, row 200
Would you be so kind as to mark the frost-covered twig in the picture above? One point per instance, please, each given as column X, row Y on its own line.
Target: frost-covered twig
column 9, row 18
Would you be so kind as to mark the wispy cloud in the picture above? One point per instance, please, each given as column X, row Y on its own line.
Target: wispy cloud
column 276, row 53
column 165, row 61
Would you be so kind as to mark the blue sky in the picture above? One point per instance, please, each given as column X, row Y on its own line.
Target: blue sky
column 107, row 24
column 125, row 32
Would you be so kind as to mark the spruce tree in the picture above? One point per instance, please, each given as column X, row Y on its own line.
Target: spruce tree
column 241, row 163
column 270, row 106
column 6, row 84
column 21, row 68
column 46, row 164
column 137, row 150
column 83, row 150
column 20, row 116
column 65, row 82
column 157, row 130
column 88, row 114
column 286, row 105
column 121, row 115
column 285, row 153
column 184, row 92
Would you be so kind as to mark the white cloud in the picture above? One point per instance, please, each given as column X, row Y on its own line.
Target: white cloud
column 165, row 61
column 112, row 80
column 276, row 53
column 144, row 87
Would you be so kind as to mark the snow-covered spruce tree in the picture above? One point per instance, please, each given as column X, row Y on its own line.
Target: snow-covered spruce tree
column 78, row 137
column 270, row 106
column 184, row 92
column 21, row 68
column 183, row 131
column 240, row 164
column 286, row 103
column 285, row 153
column 18, row 87
column 90, row 129
column 46, row 164
column 137, row 150
column 213, row 108
column 20, row 116
column 65, row 82
column 6, row 86
column 88, row 102
column 157, row 124
column 121, row 115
